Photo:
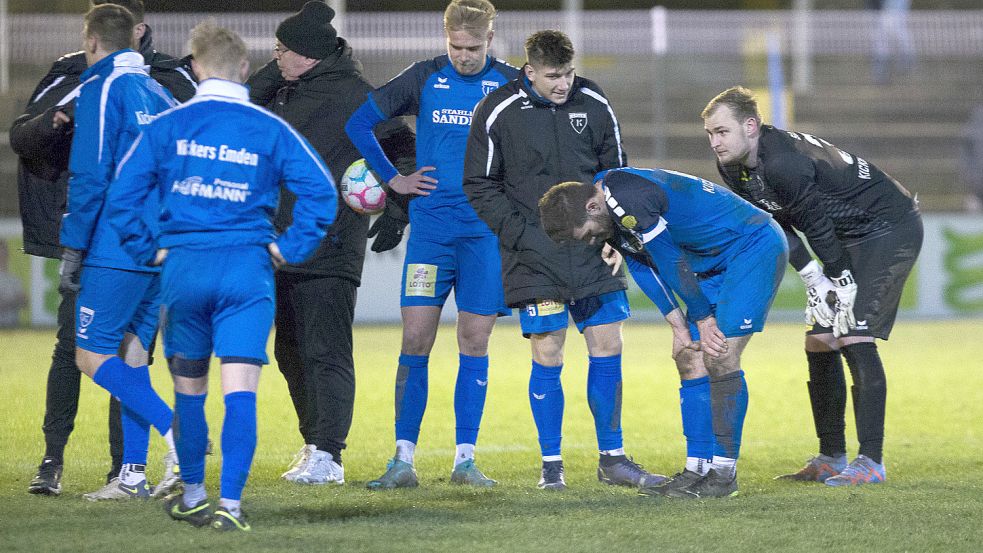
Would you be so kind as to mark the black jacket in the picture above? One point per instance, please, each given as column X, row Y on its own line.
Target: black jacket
column 318, row 105
column 520, row 145
column 42, row 173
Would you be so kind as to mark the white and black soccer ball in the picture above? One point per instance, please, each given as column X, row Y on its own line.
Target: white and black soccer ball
column 361, row 189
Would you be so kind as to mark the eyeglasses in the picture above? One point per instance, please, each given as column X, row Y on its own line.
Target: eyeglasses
column 279, row 49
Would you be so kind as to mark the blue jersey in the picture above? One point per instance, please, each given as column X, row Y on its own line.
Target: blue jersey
column 116, row 100
column 442, row 101
column 216, row 163
column 679, row 225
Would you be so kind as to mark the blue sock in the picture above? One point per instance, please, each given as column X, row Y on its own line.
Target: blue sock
column 728, row 397
column 411, row 395
column 546, row 400
column 238, row 443
column 131, row 385
column 136, row 437
column 469, row 397
column 191, row 436
column 694, row 403
column 604, row 399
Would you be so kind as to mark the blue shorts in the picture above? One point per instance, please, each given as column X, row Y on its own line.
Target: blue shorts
column 112, row 302
column 470, row 265
column 217, row 300
column 549, row 315
column 744, row 291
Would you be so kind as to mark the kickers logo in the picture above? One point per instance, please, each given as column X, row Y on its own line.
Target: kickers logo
column 421, row 280
column 86, row 316
column 578, row 121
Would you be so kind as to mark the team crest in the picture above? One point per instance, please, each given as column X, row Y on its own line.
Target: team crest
column 487, row 87
column 629, row 221
column 85, row 316
column 578, row 121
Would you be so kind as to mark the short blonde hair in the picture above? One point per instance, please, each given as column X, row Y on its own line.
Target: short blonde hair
column 476, row 17
column 218, row 49
column 740, row 100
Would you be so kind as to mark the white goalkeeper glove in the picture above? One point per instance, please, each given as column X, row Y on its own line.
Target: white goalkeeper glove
column 818, row 287
column 846, row 295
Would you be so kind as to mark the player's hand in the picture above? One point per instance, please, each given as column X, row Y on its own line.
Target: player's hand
column 388, row 228
column 415, row 183
column 818, row 287
column 846, row 294
column 275, row 255
column 159, row 257
column 712, row 340
column 60, row 119
column 69, row 269
column 612, row 257
column 681, row 337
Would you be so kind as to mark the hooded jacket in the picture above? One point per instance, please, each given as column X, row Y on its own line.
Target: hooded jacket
column 42, row 173
column 318, row 104
column 519, row 146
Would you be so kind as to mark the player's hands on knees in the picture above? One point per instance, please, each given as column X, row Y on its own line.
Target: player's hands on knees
column 818, row 288
column 845, row 288
column 415, row 183
column 682, row 340
column 275, row 255
column 160, row 257
column 69, row 270
column 712, row 340
column 612, row 257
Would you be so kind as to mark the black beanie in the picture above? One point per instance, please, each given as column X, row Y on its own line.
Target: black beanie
column 309, row 31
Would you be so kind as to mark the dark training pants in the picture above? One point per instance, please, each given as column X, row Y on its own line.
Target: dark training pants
column 313, row 349
column 62, row 397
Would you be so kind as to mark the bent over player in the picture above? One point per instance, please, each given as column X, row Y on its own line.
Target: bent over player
column 217, row 162
column 866, row 230
column 723, row 257
column 450, row 247
column 118, row 301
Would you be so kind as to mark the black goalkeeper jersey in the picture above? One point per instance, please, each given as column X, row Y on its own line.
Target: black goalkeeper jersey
column 831, row 196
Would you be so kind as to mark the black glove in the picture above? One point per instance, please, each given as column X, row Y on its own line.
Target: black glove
column 389, row 228
column 68, row 270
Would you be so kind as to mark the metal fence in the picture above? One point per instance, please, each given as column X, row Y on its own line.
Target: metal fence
column 941, row 34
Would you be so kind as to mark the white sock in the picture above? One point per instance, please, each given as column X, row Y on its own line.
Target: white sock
column 465, row 452
column 405, row 450
column 232, row 506
column 613, row 452
column 193, row 494
column 698, row 465
column 725, row 466
column 132, row 474
column 169, row 438
column 550, row 458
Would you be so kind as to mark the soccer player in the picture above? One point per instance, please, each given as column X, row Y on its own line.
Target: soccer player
column 217, row 163
column 724, row 257
column 866, row 230
column 545, row 127
column 118, row 301
column 314, row 83
column 450, row 247
column 41, row 137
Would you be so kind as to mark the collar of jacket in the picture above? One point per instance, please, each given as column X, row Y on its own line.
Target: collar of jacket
column 118, row 59
column 146, row 47
column 224, row 88
column 338, row 64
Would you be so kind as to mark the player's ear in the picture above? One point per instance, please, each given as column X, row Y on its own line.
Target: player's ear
column 752, row 126
column 491, row 35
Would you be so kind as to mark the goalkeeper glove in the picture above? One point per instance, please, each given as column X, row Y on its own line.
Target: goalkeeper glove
column 818, row 287
column 68, row 270
column 846, row 294
column 389, row 228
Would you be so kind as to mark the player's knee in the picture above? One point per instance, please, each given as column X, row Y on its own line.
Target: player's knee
column 690, row 365
column 88, row 362
column 820, row 342
column 417, row 341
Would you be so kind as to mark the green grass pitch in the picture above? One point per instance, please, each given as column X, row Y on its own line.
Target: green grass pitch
column 932, row 501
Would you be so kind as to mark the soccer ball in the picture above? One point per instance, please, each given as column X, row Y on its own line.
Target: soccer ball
column 361, row 189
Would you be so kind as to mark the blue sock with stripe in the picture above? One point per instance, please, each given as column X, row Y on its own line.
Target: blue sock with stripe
column 728, row 397
column 694, row 404
column 546, row 400
column 238, row 443
column 131, row 385
column 604, row 399
column 191, row 436
column 411, row 395
column 469, row 397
